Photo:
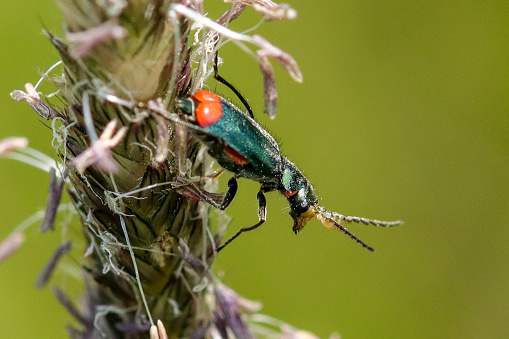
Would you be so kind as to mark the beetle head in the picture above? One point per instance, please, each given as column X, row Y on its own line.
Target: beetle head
column 303, row 204
column 300, row 194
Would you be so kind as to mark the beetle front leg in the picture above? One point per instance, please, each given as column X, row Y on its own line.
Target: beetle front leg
column 262, row 217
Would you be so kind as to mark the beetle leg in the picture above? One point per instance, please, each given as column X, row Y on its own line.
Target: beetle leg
column 262, row 217
column 220, row 201
column 216, row 174
column 230, row 194
column 190, row 189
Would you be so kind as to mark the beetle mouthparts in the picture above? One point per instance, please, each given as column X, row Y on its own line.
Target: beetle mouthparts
column 301, row 221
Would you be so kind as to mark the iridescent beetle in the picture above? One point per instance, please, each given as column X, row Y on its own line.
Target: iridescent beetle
column 240, row 145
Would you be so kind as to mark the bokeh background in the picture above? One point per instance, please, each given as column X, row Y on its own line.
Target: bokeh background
column 403, row 114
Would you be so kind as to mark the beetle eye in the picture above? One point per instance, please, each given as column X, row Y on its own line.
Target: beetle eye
column 304, row 206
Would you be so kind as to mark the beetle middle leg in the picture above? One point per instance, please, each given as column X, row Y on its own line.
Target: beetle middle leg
column 262, row 212
column 262, row 217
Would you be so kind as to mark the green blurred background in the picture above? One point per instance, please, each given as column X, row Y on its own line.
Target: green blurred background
column 403, row 114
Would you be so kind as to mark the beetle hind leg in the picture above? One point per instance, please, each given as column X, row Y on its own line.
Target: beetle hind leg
column 191, row 189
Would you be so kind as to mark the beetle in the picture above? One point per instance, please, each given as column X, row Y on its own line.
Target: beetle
column 242, row 146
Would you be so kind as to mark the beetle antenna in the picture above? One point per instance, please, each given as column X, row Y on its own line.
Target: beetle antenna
column 339, row 218
column 334, row 220
column 331, row 223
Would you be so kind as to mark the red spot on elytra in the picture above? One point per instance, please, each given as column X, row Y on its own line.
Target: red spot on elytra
column 235, row 156
column 206, row 96
column 208, row 113
column 290, row 194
